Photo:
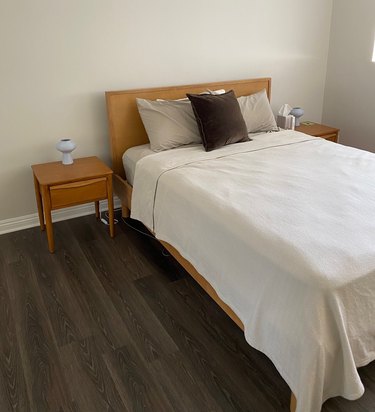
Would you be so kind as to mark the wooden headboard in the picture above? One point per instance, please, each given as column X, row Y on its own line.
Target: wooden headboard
column 125, row 125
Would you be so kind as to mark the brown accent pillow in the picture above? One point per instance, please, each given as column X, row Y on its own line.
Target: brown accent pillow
column 219, row 119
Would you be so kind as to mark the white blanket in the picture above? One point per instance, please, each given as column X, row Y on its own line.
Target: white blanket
column 283, row 227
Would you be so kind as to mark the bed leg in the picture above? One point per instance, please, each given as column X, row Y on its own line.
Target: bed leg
column 293, row 403
column 125, row 211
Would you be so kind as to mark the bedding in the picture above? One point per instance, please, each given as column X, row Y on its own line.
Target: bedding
column 219, row 119
column 131, row 157
column 173, row 123
column 208, row 91
column 168, row 123
column 283, row 228
column 257, row 113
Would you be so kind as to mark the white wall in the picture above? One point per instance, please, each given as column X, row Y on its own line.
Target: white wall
column 349, row 102
column 58, row 57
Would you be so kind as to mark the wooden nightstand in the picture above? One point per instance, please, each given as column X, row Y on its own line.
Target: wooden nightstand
column 57, row 186
column 320, row 130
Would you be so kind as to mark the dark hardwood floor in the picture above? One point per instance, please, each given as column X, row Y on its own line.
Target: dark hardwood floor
column 116, row 325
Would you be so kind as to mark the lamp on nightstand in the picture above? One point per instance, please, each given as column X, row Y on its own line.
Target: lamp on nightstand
column 66, row 146
column 297, row 112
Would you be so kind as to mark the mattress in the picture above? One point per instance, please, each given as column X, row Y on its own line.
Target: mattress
column 131, row 157
column 283, row 228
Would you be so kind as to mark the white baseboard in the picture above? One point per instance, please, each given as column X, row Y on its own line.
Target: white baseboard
column 24, row 222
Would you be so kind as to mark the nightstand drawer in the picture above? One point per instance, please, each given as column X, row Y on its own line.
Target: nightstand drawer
column 331, row 137
column 78, row 192
column 320, row 130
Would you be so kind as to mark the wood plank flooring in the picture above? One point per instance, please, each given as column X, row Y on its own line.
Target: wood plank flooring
column 116, row 325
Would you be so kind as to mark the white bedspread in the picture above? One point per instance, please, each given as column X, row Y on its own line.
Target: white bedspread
column 283, row 227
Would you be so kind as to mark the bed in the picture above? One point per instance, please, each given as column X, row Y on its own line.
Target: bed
column 335, row 311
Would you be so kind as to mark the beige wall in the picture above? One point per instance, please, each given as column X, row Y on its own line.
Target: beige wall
column 349, row 102
column 58, row 57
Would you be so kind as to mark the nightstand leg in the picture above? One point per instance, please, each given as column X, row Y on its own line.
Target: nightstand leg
column 125, row 211
column 110, row 207
column 48, row 216
column 97, row 214
column 293, row 403
column 39, row 203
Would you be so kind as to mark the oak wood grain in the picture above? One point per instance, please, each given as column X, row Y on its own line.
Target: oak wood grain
column 13, row 390
column 204, row 356
column 143, row 325
column 67, row 318
column 116, row 325
column 89, row 380
column 43, row 371
column 131, row 373
column 83, row 281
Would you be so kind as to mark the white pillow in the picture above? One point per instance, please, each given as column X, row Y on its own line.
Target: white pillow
column 208, row 91
column 168, row 123
column 257, row 113
column 218, row 91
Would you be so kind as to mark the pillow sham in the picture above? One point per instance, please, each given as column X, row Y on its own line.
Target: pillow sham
column 168, row 123
column 208, row 91
column 219, row 119
column 257, row 113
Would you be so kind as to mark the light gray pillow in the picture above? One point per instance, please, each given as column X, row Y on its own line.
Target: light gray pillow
column 257, row 113
column 168, row 123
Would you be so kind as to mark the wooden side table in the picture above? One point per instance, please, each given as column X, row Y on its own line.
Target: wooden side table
column 320, row 130
column 57, row 186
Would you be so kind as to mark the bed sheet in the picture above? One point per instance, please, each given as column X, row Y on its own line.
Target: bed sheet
column 133, row 155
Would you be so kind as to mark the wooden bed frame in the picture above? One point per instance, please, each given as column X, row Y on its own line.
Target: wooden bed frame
column 126, row 130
